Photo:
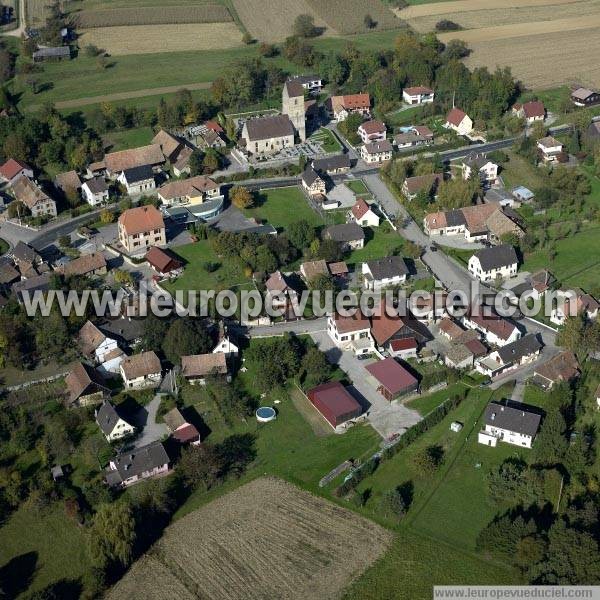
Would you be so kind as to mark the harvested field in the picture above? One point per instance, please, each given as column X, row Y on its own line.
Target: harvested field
column 505, row 16
column 272, row 20
column 146, row 15
column 440, row 8
column 502, row 32
column 267, row 539
column 347, row 16
column 152, row 39
column 36, row 12
column 564, row 58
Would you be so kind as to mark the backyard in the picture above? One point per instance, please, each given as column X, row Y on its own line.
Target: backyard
column 379, row 242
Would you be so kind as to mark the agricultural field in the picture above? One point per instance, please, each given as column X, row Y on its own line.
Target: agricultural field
column 347, row 17
column 325, row 545
column 146, row 15
column 143, row 39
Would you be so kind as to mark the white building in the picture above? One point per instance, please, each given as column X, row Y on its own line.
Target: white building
column 496, row 330
column 478, row 165
column 351, row 333
column 268, row 135
column 510, row 424
column 372, row 131
column 95, row 191
column 489, row 264
column 459, row 121
column 384, row 272
column 362, row 214
column 113, row 426
column 417, row 95
column 376, row 152
column 141, row 371
column 550, row 149
column 571, row 303
column 135, row 465
column 138, row 180
column 523, row 351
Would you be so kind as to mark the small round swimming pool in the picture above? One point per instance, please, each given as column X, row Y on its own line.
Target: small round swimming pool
column 264, row 414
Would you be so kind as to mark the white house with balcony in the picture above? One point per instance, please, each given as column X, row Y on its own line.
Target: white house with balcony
column 351, row 333
column 504, row 422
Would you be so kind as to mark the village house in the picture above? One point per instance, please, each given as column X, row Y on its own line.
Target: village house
column 25, row 256
column 392, row 379
column 450, row 329
column 332, row 165
column 339, row 271
column 521, row 352
column 30, row 286
column 459, row 121
column 536, row 285
column 463, row 352
column 268, row 135
column 111, row 423
column 140, row 228
column 313, row 183
column 387, row 325
column 363, row 215
column 550, row 149
column 384, row 272
column 491, row 264
column 403, row 348
column 169, row 145
column 137, row 464
column 200, row 193
column 513, row 424
column 294, row 107
column 12, row 169
column 138, row 180
column 104, row 350
column 281, row 292
column 531, row 112
column 419, row 94
column 196, row 368
column 428, row 184
column 311, row 83
column 312, row 269
column 349, row 235
column 496, row 330
column 335, row 404
column 141, row 371
column 571, row 303
column 164, row 262
column 115, row 163
column 181, row 431
column 67, row 183
column 475, row 223
column 584, row 97
column 85, row 386
column 419, row 135
column 477, row 164
column 372, row 131
column 8, row 273
column 28, row 192
column 429, row 308
column 87, row 265
column 500, row 196
column 564, row 367
column 376, row 152
column 340, row 107
column 225, row 343
column 351, row 333
column 95, row 191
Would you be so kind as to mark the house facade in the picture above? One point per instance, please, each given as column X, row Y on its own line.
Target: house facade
column 350, row 236
column 313, row 183
column 489, row 264
column 372, row 131
column 351, row 333
column 28, row 192
column 384, row 272
column 418, row 95
column 95, row 191
column 514, row 425
column 363, row 215
column 459, row 121
column 141, row 227
column 268, row 135
column 340, row 107
column 138, row 464
column 376, row 152
column 478, row 165
column 138, row 180
column 550, row 149
column 141, row 371
column 112, row 425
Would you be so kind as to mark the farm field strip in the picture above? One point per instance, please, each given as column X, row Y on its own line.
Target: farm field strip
column 501, row 32
column 144, row 39
column 439, row 8
column 563, row 58
column 347, row 16
column 272, row 20
column 147, row 15
column 267, row 539
column 505, row 16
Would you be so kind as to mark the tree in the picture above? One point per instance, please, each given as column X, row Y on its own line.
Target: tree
column 304, row 26
column 64, row 241
column 211, row 161
column 155, row 329
column 350, row 126
column 572, row 333
column 392, row 504
column 112, row 534
column 316, row 368
column 457, row 193
column 199, row 466
column 551, row 442
column 368, row 22
column 247, row 38
column 301, row 233
column 241, row 197
column 123, row 277
column 267, row 50
column 185, row 336
column 107, row 216
column 429, row 459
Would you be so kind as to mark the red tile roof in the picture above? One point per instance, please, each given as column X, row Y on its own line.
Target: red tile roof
column 11, row 168
column 391, row 375
column 356, row 322
column 370, row 127
column 403, row 344
column 360, row 209
column 162, row 261
column 534, row 109
column 334, row 402
column 418, row 89
column 141, row 219
column 186, row 433
column 455, row 116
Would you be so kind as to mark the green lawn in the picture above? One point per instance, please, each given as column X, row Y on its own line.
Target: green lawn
column 3, row 246
column 358, row 186
column 282, row 206
column 128, row 138
column 196, row 277
column 425, row 404
column 577, row 260
column 517, row 171
column 379, row 242
column 46, row 547
column 329, row 141
column 401, row 118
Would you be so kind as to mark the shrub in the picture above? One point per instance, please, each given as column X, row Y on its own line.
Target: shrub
column 392, row 504
column 446, row 25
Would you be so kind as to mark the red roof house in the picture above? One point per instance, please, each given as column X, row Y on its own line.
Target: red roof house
column 162, row 261
column 12, row 168
column 392, row 378
column 335, row 403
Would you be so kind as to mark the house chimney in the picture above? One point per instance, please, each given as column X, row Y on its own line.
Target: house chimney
column 493, row 416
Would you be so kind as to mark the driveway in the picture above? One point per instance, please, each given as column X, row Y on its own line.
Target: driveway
column 385, row 417
column 146, row 418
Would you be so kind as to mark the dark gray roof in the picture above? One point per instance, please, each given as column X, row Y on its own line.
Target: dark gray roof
column 455, row 218
column 107, row 417
column 309, row 176
column 525, row 346
column 37, row 282
column 52, row 52
column 388, row 267
column 96, row 185
column 498, row 195
column 511, row 418
column 348, row 232
column 126, row 330
column 294, row 88
column 496, row 257
column 339, row 161
column 24, row 252
column 305, row 79
column 8, row 273
column 476, row 160
column 265, row 128
column 139, row 460
column 136, row 174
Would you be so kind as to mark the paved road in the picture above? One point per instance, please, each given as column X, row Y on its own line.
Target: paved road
column 146, row 419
